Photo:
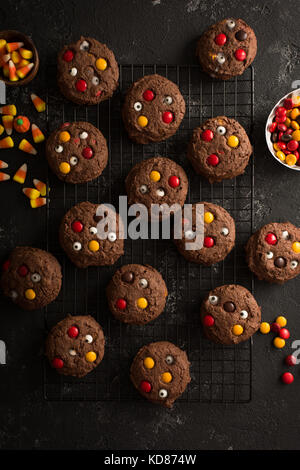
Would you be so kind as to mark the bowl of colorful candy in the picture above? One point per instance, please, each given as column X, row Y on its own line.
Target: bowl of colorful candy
column 283, row 130
column 19, row 59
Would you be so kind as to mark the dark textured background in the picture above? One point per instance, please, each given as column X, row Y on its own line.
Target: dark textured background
column 152, row 31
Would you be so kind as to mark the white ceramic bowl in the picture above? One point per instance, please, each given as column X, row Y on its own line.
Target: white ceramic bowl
column 268, row 133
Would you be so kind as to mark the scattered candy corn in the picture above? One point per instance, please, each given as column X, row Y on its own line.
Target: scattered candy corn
column 13, row 46
column 22, row 72
column 31, row 193
column 35, row 203
column 39, row 104
column 40, row 186
column 3, row 164
column 27, row 147
column 6, row 143
column 25, row 53
column 1, row 129
column 8, row 124
column 4, row 177
column 20, row 175
column 2, row 46
column 15, row 57
column 37, row 134
column 9, row 109
column 12, row 72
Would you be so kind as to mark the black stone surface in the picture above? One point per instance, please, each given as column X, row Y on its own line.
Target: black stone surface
column 153, row 31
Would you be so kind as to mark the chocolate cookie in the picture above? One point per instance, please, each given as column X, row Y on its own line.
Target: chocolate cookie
column 227, row 48
column 31, row 277
column 219, row 234
column 136, row 294
column 75, row 346
column 153, row 109
column 87, row 72
column 160, row 372
column 273, row 252
column 77, row 152
column 157, row 180
column 230, row 314
column 80, row 238
column 219, row 149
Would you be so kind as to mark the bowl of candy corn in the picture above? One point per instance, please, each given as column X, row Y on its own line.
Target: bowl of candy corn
column 19, row 59
column 283, row 130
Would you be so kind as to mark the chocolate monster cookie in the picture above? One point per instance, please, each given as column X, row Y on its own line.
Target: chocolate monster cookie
column 137, row 294
column 75, row 346
column 160, row 372
column 77, row 152
column 80, row 238
column 273, row 252
column 31, row 277
column 219, row 149
column 219, row 234
column 87, row 72
column 153, row 109
column 157, row 180
column 227, row 48
column 230, row 314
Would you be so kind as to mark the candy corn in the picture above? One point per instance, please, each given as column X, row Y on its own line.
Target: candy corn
column 40, row 186
column 20, row 175
column 31, row 193
column 1, row 129
column 22, row 63
column 27, row 147
column 4, row 177
column 13, row 46
column 12, row 71
column 15, row 57
column 22, row 72
column 25, row 53
column 6, row 70
column 8, row 123
column 39, row 104
column 2, row 46
column 35, row 203
column 3, row 164
column 6, row 143
column 37, row 134
column 9, row 109
column 4, row 59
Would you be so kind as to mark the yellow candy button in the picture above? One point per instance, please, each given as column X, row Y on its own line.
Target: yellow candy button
column 64, row 136
column 166, row 377
column 101, row 64
column 64, row 168
column 94, row 245
column 287, row 122
column 296, row 135
column 233, row 141
column 91, row 356
column 294, row 114
column 265, row 328
column 208, row 217
column 142, row 302
column 149, row 363
column 237, row 330
column 296, row 247
column 275, row 147
column 279, row 343
column 30, row 294
column 142, row 121
column 155, row 176
column 291, row 159
column 295, row 125
column 280, row 155
column 296, row 100
column 282, row 321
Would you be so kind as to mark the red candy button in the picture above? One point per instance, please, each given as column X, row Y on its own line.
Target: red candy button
column 81, row 85
column 121, row 304
column 23, row 271
column 87, row 153
column 208, row 242
column 284, row 333
column 287, row 378
column 220, row 39
column 280, row 111
column 145, row 386
column 208, row 320
column 288, row 103
column 68, row 55
column 275, row 328
column 77, row 226
column 167, row 117
column 207, row 135
column 6, row 265
column 292, row 145
column 291, row 360
column 240, row 54
column 73, row 332
column 280, row 118
column 57, row 363
column 212, row 160
column 271, row 238
column 174, row 181
column 273, row 126
column 148, row 95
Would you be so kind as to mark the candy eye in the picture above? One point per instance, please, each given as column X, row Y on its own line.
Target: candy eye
column 160, row 192
column 220, row 58
column 213, row 299
column 112, row 236
column 59, row 148
column 294, row 264
column 83, row 135
column 285, row 235
column 35, row 277
column 13, row 294
column 72, row 352
column 189, row 234
column 169, row 360
column 73, row 161
column 168, row 99
column 93, row 230
column 244, row 314
column 77, row 246
column 73, row 71
column 269, row 255
column 84, row 46
column 163, row 393
column 143, row 283
column 88, row 339
column 224, row 231
column 230, row 24
column 143, row 189
column 95, row 80
column 221, row 130
column 138, row 106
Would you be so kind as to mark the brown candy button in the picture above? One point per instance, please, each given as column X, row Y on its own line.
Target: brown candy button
column 128, row 276
column 280, row 262
column 241, row 35
column 229, row 307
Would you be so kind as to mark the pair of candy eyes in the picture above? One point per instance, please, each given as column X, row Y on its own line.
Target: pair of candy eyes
column 293, row 264
column 214, row 299
column 190, row 234
column 74, row 71
column 77, row 246
column 159, row 192
column 83, row 136
column 138, row 105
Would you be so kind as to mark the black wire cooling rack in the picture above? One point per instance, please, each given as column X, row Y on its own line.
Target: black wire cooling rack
column 219, row 373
